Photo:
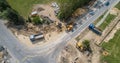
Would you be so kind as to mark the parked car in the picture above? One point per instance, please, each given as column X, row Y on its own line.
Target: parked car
column 1, row 48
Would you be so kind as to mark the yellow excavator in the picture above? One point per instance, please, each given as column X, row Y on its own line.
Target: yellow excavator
column 79, row 45
column 69, row 27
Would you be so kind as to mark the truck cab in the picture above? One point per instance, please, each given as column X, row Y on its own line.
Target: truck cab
column 95, row 29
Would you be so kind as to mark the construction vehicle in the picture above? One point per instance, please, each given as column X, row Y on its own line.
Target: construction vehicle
column 36, row 37
column 79, row 45
column 95, row 29
column 69, row 27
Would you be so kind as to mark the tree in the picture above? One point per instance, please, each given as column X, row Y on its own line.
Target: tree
column 6, row 12
column 67, row 7
column 3, row 14
column 14, row 17
column 3, row 5
column 86, row 43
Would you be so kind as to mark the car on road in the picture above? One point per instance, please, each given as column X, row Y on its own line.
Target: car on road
column 107, row 3
column 1, row 48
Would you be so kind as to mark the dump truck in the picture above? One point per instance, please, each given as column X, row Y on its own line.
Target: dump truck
column 95, row 29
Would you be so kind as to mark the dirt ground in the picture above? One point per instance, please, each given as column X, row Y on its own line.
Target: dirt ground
column 48, row 11
column 50, row 32
column 87, row 35
column 114, row 11
column 79, row 12
column 90, row 36
column 71, row 54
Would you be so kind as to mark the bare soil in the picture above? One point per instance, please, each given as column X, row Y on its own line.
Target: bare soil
column 67, row 54
column 51, row 32
column 114, row 11
column 48, row 11
column 71, row 54
column 79, row 12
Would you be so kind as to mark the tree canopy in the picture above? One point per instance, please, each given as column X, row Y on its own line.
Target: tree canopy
column 67, row 7
column 7, row 12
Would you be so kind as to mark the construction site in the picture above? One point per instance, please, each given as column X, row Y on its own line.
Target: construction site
column 50, row 30
column 86, row 48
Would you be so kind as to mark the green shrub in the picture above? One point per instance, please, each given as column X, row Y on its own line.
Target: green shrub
column 86, row 43
column 6, row 12
column 118, row 6
column 3, row 5
column 14, row 17
column 37, row 20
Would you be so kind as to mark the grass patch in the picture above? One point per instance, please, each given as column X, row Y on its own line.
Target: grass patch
column 99, row 19
column 118, row 6
column 24, row 7
column 107, row 21
column 113, row 47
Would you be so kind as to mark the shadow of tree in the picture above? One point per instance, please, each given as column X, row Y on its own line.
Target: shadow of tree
column 10, row 14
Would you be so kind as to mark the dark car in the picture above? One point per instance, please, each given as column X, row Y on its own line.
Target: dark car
column 1, row 48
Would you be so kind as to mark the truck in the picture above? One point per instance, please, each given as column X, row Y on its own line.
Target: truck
column 35, row 37
column 95, row 29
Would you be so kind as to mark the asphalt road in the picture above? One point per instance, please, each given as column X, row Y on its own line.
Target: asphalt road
column 48, row 53
column 10, row 42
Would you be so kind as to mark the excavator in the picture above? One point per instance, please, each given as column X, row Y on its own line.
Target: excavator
column 70, row 26
column 79, row 45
